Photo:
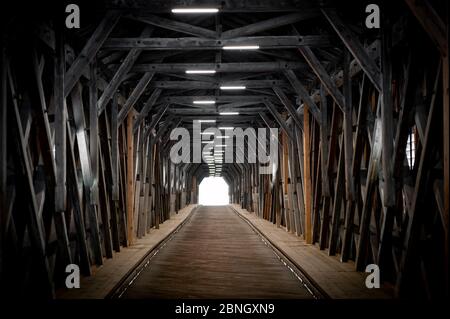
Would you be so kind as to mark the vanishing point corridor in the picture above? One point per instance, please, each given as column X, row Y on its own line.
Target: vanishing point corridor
column 216, row 255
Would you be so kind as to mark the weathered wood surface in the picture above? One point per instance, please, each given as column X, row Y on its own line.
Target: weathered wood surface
column 216, row 255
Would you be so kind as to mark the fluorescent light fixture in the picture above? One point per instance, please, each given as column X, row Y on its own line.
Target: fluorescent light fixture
column 240, row 47
column 205, row 102
column 229, row 113
column 195, row 10
column 226, row 136
column 207, row 121
column 200, row 71
column 206, row 133
column 226, row 127
column 231, row 87
column 220, row 145
column 207, row 142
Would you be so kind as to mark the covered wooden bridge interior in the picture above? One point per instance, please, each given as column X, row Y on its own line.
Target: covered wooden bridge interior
column 363, row 118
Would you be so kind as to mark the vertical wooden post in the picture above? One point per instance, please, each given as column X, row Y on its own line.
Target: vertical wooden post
column 387, row 121
column 3, row 150
column 446, row 148
column 285, row 171
column 60, row 148
column 93, row 133
column 307, row 175
column 130, row 179
column 60, row 125
column 348, row 129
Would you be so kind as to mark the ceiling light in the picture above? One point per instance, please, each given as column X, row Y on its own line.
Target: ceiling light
column 241, row 47
column 200, row 71
column 195, row 10
column 206, row 133
column 237, row 87
column 222, row 136
column 207, row 121
column 229, row 113
column 205, row 102
column 226, row 127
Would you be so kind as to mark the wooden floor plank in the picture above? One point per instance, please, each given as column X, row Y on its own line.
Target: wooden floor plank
column 216, row 255
column 339, row 280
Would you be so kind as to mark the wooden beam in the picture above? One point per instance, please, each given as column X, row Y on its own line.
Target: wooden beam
column 3, row 151
column 216, row 84
column 303, row 94
column 35, row 229
column 219, row 67
column 134, row 96
column 189, row 43
column 307, row 175
column 89, row 51
column 416, row 210
column 372, row 171
column 93, row 133
column 324, row 143
column 323, row 76
column 431, row 22
column 355, row 69
column 155, row 119
column 354, row 46
column 279, row 119
column 213, row 111
column 227, row 6
column 189, row 99
column 348, row 131
column 85, row 163
column 173, row 25
column 387, row 121
column 288, row 105
column 60, row 126
column 337, row 201
column 115, row 149
column 446, row 151
column 121, row 73
column 147, row 107
column 269, row 24
column 78, row 215
column 130, row 180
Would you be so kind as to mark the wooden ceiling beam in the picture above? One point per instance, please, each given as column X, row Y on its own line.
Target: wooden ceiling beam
column 121, row 73
column 217, row 99
column 173, row 25
column 192, row 43
column 90, row 50
column 350, row 40
column 249, row 84
column 220, row 67
column 269, row 24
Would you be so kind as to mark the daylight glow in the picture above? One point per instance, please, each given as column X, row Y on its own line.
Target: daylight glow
column 213, row 191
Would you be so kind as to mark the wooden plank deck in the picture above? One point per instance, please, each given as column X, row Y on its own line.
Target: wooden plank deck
column 338, row 280
column 216, row 255
column 106, row 277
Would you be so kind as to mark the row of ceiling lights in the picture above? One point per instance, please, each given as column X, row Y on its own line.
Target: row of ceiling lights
column 214, row 162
